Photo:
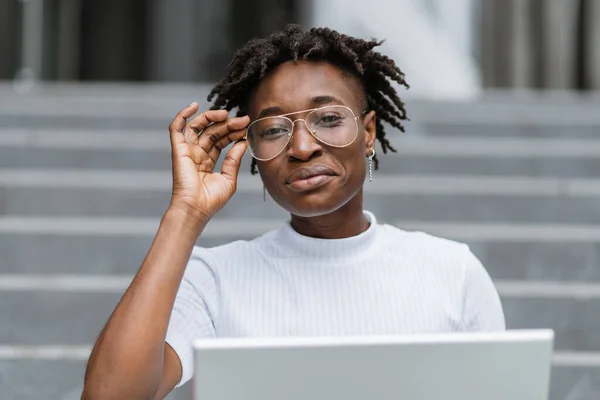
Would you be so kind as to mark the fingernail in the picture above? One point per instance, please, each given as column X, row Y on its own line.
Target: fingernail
column 193, row 104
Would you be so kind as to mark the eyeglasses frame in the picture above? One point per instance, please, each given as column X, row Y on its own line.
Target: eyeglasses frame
column 293, row 122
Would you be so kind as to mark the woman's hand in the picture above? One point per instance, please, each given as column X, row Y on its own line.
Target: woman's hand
column 196, row 146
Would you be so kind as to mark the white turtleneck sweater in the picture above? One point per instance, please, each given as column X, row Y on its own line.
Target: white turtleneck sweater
column 383, row 281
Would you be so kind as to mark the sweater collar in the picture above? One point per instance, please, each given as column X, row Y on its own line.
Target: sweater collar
column 293, row 243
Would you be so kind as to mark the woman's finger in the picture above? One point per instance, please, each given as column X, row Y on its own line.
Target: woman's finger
column 215, row 132
column 198, row 154
column 231, row 164
column 202, row 162
column 225, row 141
column 204, row 119
column 178, row 124
column 235, row 124
column 201, row 122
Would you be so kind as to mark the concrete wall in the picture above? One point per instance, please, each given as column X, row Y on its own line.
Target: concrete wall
column 430, row 41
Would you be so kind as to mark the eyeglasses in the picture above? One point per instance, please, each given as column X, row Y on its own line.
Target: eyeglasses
column 335, row 126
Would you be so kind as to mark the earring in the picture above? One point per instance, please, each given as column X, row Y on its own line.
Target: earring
column 370, row 158
column 264, row 194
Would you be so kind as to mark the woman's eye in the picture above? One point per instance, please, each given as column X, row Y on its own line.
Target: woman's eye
column 273, row 131
column 330, row 119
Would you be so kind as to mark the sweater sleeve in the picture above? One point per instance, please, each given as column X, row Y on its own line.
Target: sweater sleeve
column 482, row 308
column 193, row 312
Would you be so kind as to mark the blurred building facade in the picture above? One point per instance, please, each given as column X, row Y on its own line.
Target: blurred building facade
column 541, row 44
column 131, row 40
column 487, row 43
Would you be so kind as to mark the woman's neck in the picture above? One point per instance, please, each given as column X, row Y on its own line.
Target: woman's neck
column 347, row 221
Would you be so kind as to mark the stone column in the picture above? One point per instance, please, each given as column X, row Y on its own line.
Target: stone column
column 489, row 45
column 32, row 26
column 559, row 44
column 591, row 44
column 68, row 41
column 521, row 46
column 188, row 39
column 8, row 38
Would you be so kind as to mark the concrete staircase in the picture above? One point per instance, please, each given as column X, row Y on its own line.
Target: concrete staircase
column 84, row 179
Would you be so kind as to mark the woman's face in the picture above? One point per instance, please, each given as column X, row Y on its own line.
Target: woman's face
column 340, row 171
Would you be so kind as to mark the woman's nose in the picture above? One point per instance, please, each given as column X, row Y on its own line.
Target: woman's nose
column 303, row 145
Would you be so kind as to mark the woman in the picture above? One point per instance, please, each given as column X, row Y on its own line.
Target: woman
column 316, row 100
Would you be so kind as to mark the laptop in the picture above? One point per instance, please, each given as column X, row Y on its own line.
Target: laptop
column 512, row 365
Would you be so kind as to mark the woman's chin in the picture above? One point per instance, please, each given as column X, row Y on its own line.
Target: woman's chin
column 310, row 206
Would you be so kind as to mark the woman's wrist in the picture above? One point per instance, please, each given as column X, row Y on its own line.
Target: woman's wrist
column 179, row 218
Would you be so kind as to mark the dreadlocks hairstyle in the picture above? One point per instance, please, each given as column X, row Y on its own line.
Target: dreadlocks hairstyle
column 356, row 56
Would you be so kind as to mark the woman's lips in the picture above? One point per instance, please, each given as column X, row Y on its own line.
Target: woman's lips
column 308, row 178
column 313, row 182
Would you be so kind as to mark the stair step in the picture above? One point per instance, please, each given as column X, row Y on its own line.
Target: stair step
column 575, row 383
column 130, row 149
column 63, row 380
column 58, row 202
column 52, row 380
column 422, row 145
column 528, row 252
column 161, row 101
column 60, row 317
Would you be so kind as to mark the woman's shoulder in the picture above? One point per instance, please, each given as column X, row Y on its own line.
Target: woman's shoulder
column 427, row 251
column 233, row 253
column 420, row 238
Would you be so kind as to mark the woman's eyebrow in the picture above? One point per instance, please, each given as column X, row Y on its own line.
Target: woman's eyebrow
column 325, row 99
column 269, row 112
column 315, row 101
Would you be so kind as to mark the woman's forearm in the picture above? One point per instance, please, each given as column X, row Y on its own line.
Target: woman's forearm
column 127, row 359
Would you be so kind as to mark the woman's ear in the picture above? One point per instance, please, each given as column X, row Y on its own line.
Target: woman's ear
column 370, row 125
